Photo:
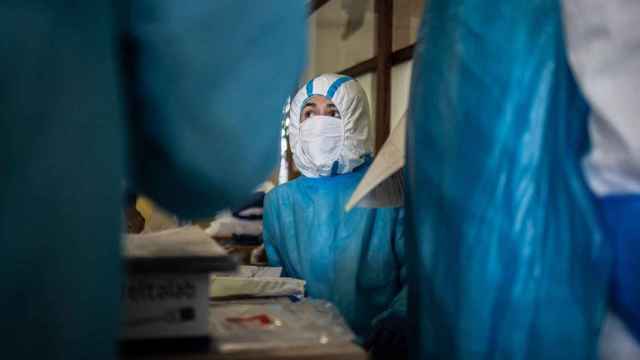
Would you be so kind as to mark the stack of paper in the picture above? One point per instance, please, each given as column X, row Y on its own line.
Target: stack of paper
column 254, row 281
column 181, row 242
column 383, row 184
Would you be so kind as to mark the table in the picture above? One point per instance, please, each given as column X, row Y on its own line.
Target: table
column 346, row 351
column 324, row 352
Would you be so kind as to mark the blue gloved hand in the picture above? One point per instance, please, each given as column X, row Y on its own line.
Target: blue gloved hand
column 389, row 338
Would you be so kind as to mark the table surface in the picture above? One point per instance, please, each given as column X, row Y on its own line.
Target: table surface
column 337, row 352
column 346, row 351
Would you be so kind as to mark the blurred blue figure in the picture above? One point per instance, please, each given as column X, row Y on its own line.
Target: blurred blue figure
column 603, row 42
column 354, row 259
column 72, row 116
column 506, row 257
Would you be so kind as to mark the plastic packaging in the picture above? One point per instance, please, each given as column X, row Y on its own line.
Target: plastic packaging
column 254, row 281
column 507, row 260
column 184, row 241
column 247, row 327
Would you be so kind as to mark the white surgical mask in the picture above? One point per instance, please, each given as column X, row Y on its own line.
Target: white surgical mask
column 321, row 142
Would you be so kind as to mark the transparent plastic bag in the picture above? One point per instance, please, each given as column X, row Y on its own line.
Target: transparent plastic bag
column 250, row 326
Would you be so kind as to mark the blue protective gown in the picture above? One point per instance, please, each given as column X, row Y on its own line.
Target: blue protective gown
column 620, row 214
column 64, row 129
column 506, row 258
column 353, row 259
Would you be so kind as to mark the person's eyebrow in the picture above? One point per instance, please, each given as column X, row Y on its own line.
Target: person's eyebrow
column 310, row 104
column 332, row 106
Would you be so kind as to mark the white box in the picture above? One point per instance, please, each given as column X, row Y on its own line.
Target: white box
column 166, row 292
column 166, row 306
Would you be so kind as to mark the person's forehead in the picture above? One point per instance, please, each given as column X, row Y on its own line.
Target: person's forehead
column 318, row 100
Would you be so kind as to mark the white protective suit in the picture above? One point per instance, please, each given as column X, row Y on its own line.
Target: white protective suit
column 353, row 144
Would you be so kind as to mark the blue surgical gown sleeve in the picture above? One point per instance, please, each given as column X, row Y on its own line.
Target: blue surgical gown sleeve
column 61, row 154
column 398, row 306
column 506, row 256
column 271, row 232
column 207, row 96
column 620, row 214
column 201, row 76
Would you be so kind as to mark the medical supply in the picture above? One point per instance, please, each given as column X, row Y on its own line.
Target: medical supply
column 243, row 327
column 254, row 282
column 166, row 292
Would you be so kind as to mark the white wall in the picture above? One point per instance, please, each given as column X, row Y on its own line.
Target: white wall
column 328, row 50
column 367, row 81
column 400, row 86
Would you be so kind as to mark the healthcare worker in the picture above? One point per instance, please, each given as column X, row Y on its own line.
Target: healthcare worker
column 354, row 259
column 602, row 45
column 75, row 122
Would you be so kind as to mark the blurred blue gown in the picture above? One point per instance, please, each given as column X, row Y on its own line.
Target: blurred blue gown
column 506, row 256
column 74, row 123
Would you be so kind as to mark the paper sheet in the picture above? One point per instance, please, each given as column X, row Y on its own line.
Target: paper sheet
column 254, row 281
column 383, row 184
column 228, row 286
column 249, row 271
column 180, row 242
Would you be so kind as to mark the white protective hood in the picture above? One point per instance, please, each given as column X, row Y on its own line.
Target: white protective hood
column 352, row 103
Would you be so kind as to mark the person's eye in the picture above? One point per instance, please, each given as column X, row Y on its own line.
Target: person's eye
column 307, row 114
column 335, row 114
